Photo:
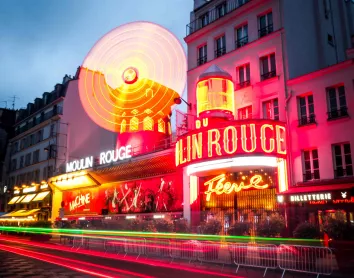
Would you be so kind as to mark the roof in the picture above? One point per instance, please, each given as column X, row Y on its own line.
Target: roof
column 307, row 189
column 213, row 71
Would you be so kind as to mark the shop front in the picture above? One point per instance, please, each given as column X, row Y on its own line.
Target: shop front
column 233, row 170
column 315, row 204
column 30, row 203
column 146, row 187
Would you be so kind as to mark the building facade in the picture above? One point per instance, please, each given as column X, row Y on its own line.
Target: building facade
column 276, row 78
column 36, row 151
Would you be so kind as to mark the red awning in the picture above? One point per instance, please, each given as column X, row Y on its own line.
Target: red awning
column 317, row 188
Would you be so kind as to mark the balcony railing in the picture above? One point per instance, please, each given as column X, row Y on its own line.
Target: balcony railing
column 335, row 114
column 57, row 111
column 265, row 31
column 268, row 75
column 243, row 84
column 241, row 42
column 340, row 172
column 213, row 15
column 307, row 120
column 311, row 176
column 219, row 52
column 202, row 60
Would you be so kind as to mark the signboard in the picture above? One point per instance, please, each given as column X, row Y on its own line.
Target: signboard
column 105, row 158
column 29, row 189
column 163, row 194
column 230, row 138
column 220, row 185
column 317, row 198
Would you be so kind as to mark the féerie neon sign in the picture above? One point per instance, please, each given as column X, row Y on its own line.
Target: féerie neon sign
column 218, row 185
column 228, row 139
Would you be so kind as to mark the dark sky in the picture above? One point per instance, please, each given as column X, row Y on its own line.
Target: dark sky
column 42, row 40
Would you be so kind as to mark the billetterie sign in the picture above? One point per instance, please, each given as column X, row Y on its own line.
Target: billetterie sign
column 231, row 138
column 106, row 157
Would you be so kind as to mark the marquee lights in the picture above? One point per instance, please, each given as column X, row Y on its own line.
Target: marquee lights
column 239, row 138
column 218, row 185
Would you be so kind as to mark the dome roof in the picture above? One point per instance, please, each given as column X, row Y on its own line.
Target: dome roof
column 213, row 71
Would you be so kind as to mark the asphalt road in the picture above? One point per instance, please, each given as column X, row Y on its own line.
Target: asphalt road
column 21, row 258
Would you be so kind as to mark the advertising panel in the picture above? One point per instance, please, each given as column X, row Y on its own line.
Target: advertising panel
column 162, row 194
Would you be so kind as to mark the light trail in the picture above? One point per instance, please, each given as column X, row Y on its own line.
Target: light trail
column 69, row 263
column 117, row 257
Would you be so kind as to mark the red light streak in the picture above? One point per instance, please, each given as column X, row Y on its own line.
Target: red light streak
column 114, row 257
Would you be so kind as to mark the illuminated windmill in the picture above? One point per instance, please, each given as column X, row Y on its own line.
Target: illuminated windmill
column 130, row 79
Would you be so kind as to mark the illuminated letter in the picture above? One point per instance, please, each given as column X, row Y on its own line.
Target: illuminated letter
column 188, row 148
column 102, row 158
column 252, row 138
column 87, row 200
column 177, row 153
column 210, row 184
column 181, row 151
column 128, row 151
column 264, row 138
column 233, row 139
column 197, row 124
column 89, row 162
column 197, row 145
column 280, row 139
column 212, row 142
column 205, row 122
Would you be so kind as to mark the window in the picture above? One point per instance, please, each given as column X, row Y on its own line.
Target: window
column 21, row 161
column 52, row 130
column 161, row 126
column 245, row 113
column 265, row 24
column 52, row 151
column 22, row 143
column 326, row 7
column 330, row 39
column 268, row 69
column 271, row 109
column 202, row 55
column 148, row 123
column 123, row 126
column 50, row 171
column 36, row 175
column 36, row 156
column 220, row 46
column 13, row 164
column 204, row 19
column 306, row 110
column 32, row 139
column 241, row 36
column 221, row 10
column 243, row 73
column 337, row 103
column 134, row 124
column 28, row 159
column 342, row 160
column 311, row 168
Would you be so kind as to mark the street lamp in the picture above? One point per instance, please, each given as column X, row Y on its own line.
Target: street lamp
column 178, row 100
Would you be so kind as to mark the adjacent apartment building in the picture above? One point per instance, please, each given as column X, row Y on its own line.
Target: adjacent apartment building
column 290, row 61
column 37, row 147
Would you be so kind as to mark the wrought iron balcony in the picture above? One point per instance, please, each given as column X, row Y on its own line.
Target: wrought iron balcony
column 307, row 120
column 243, row 84
column 219, row 52
column 213, row 15
column 202, row 60
column 341, row 172
column 241, row 42
column 268, row 75
column 335, row 114
column 265, row 31
column 311, row 176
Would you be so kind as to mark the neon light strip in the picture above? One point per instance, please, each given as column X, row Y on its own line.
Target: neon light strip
column 233, row 162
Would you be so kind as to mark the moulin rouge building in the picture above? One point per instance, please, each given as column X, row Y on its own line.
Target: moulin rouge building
column 269, row 118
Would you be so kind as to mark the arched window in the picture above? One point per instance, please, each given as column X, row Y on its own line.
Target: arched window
column 134, row 124
column 148, row 123
column 123, row 126
column 161, row 126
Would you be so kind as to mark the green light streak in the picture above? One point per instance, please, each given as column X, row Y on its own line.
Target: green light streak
column 112, row 235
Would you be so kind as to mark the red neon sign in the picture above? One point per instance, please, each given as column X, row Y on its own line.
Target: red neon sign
column 218, row 185
column 230, row 138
